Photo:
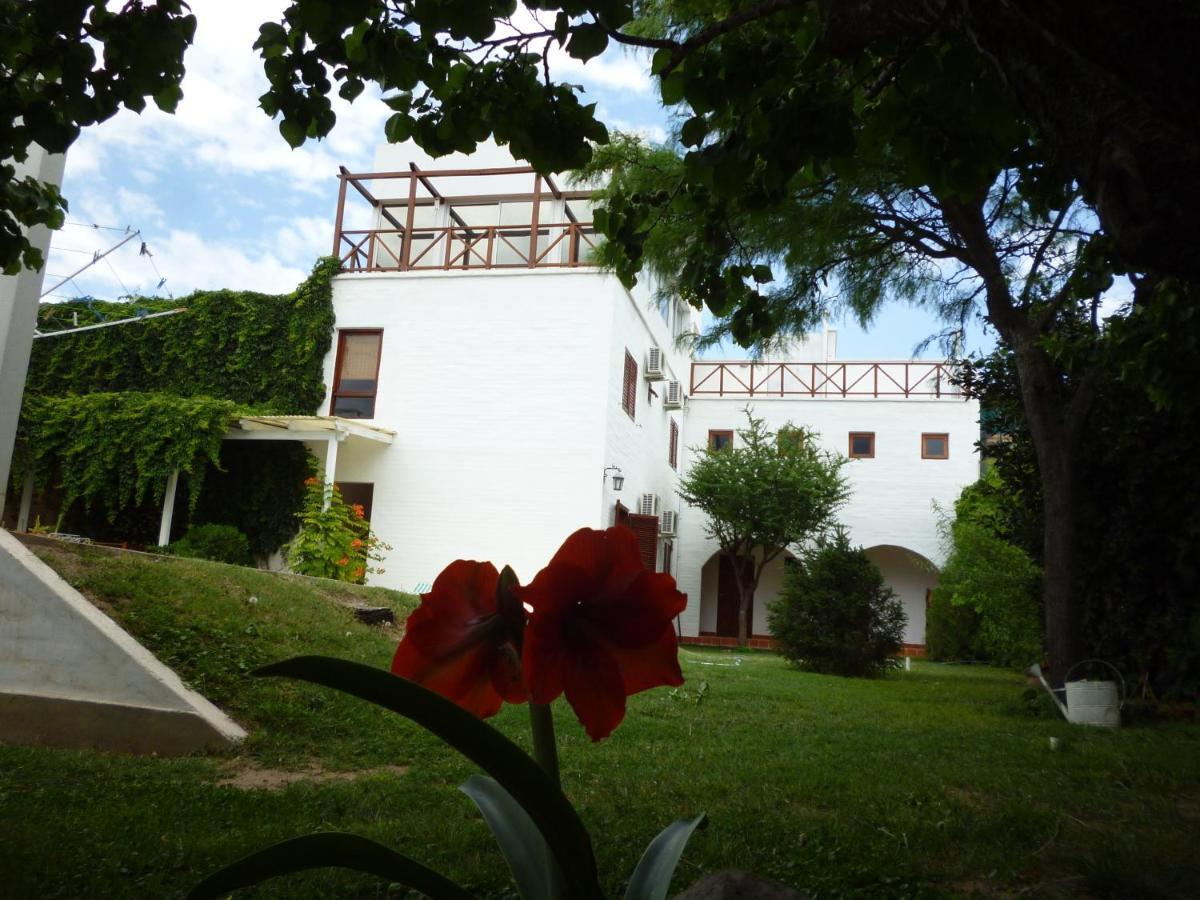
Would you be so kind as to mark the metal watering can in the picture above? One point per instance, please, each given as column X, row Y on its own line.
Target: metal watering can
column 1087, row 702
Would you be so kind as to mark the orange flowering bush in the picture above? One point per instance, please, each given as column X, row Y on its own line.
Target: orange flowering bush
column 593, row 626
column 334, row 540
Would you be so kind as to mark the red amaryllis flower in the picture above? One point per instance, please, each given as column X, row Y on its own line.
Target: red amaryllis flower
column 460, row 645
column 601, row 628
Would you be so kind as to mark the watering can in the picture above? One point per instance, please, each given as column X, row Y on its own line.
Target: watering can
column 1087, row 702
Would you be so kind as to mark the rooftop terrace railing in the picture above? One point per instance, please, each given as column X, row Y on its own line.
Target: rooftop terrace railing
column 903, row 379
column 420, row 223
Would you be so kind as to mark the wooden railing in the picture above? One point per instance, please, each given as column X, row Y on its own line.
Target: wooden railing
column 823, row 379
column 566, row 245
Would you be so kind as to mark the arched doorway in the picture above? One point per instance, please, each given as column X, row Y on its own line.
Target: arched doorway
column 719, row 597
column 913, row 578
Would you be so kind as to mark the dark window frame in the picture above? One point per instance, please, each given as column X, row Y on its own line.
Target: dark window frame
column 861, row 434
column 673, row 445
column 629, row 386
column 715, row 432
column 337, row 370
column 943, row 436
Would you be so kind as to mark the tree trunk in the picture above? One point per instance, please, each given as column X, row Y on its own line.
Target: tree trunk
column 1055, row 432
column 746, row 597
column 1055, row 414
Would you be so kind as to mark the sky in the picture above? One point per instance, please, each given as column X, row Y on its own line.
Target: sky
column 221, row 201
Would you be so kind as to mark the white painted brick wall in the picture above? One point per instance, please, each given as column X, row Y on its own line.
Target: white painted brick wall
column 504, row 388
column 892, row 496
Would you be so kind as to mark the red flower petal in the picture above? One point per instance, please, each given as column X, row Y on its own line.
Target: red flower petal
column 456, row 645
column 595, row 691
column 601, row 628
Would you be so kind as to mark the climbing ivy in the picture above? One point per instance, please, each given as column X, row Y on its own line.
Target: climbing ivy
column 260, row 350
column 118, row 447
column 110, row 413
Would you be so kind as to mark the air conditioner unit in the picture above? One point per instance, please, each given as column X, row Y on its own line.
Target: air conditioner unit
column 674, row 398
column 648, row 505
column 666, row 526
column 654, row 364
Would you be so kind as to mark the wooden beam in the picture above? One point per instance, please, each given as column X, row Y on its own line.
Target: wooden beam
column 483, row 199
column 437, row 196
column 337, row 225
column 533, row 226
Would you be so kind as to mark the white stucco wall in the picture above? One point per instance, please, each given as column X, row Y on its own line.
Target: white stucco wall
column 892, row 496
column 494, row 383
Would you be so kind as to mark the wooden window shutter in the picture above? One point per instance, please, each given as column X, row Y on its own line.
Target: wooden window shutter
column 629, row 388
column 646, row 529
column 673, row 452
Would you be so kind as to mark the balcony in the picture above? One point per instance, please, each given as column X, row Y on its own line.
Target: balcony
column 881, row 380
column 461, row 219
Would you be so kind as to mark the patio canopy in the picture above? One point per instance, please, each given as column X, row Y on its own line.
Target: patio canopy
column 333, row 430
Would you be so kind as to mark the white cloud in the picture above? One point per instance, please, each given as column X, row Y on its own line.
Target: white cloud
column 218, row 125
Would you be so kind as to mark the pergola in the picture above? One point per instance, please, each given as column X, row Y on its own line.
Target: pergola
column 333, row 431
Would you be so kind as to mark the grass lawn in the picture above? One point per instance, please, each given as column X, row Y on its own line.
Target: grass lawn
column 934, row 782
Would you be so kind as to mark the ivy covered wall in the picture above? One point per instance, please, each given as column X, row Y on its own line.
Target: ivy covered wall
column 258, row 350
column 110, row 413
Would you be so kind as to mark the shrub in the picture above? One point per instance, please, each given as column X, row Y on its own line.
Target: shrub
column 222, row 543
column 950, row 631
column 835, row 614
column 1001, row 583
column 335, row 539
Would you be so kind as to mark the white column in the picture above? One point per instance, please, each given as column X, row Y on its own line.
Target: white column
column 331, row 451
column 26, row 504
column 18, row 314
column 164, row 528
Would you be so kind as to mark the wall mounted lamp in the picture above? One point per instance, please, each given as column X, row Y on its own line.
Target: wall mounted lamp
column 618, row 479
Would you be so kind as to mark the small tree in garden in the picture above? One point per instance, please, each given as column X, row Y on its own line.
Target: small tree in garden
column 769, row 491
column 335, row 539
column 835, row 614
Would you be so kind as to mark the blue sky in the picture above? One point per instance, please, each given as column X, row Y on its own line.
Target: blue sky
column 222, row 202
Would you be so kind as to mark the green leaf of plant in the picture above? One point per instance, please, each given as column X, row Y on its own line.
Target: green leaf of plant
column 522, row 844
column 587, row 40
column 652, row 878
column 529, row 786
column 292, row 132
column 315, row 851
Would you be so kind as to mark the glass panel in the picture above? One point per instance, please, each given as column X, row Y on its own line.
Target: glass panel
column 935, row 446
column 354, row 407
column 861, row 445
column 360, row 361
column 719, row 440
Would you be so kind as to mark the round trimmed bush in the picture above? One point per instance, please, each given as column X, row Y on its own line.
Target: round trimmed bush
column 835, row 614
column 221, row 543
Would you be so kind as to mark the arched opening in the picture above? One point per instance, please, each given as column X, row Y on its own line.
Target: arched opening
column 719, row 597
column 913, row 578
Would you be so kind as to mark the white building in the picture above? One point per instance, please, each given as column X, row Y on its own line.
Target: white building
column 522, row 384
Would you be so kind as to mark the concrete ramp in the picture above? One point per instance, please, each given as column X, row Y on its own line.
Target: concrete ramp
column 71, row 677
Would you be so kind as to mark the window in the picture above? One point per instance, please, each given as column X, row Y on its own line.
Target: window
column 664, row 307
column 862, row 445
column 673, row 447
column 356, row 374
column 629, row 389
column 935, row 446
column 720, row 440
column 668, row 552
